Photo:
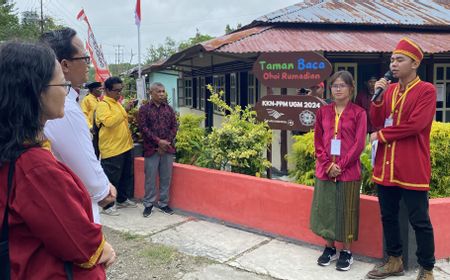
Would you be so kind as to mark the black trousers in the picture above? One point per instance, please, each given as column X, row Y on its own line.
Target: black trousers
column 417, row 206
column 119, row 170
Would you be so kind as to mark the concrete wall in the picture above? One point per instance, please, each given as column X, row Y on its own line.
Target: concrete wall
column 277, row 207
column 274, row 207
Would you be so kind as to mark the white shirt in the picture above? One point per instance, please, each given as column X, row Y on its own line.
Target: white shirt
column 71, row 143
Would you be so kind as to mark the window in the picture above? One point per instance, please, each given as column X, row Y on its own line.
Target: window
column 219, row 86
column 201, row 84
column 188, row 92
column 350, row 67
column 181, row 99
column 234, row 89
column 252, row 89
column 442, row 83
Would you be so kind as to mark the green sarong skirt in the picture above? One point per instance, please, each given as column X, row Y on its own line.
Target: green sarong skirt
column 335, row 210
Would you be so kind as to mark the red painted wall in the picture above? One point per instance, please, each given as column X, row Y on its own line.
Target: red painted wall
column 276, row 207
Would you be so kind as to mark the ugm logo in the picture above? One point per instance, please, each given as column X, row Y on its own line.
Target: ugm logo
column 274, row 113
column 307, row 118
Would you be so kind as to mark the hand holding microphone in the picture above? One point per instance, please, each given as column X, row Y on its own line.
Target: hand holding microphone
column 382, row 84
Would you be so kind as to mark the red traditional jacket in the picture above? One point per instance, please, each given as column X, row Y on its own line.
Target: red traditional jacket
column 50, row 220
column 352, row 127
column 403, row 154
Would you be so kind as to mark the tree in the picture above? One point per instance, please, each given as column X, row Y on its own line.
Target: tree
column 31, row 25
column 161, row 51
column 117, row 69
column 29, row 28
column 9, row 22
column 229, row 29
column 170, row 47
column 197, row 39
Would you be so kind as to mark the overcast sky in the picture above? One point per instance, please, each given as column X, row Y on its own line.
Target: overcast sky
column 113, row 20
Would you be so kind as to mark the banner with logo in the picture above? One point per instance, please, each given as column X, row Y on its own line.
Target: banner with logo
column 101, row 67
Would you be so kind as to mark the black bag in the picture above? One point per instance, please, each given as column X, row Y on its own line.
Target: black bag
column 95, row 136
column 5, row 265
column 96, row 133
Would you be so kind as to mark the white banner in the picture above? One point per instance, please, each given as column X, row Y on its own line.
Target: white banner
column 101, row 67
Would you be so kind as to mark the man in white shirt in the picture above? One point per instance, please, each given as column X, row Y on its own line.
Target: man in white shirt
column 69, row 137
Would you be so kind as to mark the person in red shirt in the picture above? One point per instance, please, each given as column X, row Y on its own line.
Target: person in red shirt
column 363, row 100
column 402, row 164
column 46, row 213
column 339, row 139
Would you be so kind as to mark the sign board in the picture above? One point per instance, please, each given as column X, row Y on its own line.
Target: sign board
column 291, row 70
column 289, row 112
column 140, row 88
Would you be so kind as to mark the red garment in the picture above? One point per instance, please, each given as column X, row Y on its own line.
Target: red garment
column 50, row 220
column 155, row 123
column 352, row 132
column 403, row 155
column 363, row 101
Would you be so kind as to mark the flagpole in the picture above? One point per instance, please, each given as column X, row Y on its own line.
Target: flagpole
column 139, row 51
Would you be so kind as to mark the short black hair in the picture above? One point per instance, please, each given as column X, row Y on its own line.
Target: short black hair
column 92, row 85
column 112, row 81
column 61, row 42
column 25, row 71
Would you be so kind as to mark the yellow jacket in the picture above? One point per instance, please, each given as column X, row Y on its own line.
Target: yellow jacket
column 115, row 135
column 88, row 105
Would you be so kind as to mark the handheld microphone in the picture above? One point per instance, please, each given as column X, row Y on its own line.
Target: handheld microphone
column 388, row 76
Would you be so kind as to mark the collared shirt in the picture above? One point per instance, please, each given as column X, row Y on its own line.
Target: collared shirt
column 71, row 143
column 403, row 154
column 115, row 135
column 156, row 123
column 88, row 105
column 352, row 133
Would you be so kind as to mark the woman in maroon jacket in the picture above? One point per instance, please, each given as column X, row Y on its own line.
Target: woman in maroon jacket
column 339, row 139
column 47, row 210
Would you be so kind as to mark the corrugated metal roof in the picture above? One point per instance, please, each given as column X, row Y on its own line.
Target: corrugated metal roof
column 421, row 13
column 232, row 37
column 278, row 39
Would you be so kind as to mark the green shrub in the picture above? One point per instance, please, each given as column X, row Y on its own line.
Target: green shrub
column 440, row 159
column 190, row 138
column 239, row 144
column 303, row 159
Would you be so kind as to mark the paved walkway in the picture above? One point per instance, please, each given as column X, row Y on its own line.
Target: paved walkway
column 240, row 255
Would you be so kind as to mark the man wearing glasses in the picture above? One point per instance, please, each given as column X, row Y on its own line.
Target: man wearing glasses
column 115, row 144
column 69, row 137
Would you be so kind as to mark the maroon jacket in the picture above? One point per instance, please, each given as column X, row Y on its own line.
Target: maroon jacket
column 156, row 123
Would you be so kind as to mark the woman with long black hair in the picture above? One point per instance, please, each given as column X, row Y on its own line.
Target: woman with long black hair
column 45, row 211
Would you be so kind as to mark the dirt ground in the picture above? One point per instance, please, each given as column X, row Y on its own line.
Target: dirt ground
column 140, row 259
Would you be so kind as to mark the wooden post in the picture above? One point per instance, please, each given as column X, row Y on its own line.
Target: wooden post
column 283, row 148
column 269, row 149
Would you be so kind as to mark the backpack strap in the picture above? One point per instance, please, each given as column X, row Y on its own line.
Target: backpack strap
column 5, row 264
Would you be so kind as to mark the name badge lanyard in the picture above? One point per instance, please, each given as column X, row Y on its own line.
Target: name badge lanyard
column 395, row 102
column 336, row 143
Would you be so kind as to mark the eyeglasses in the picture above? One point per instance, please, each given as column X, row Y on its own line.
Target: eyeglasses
column 87, row 59
column 67, row 85
column 117, row 90
column 339, row 86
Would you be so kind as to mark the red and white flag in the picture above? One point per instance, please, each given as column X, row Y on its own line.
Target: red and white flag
column 101, row 67
column 137, row 13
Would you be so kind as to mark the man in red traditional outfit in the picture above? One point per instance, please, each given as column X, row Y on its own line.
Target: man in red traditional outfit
column 402, row 165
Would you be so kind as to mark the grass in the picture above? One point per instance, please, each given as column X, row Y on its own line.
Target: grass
column 129, row 236
column 158, row 254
